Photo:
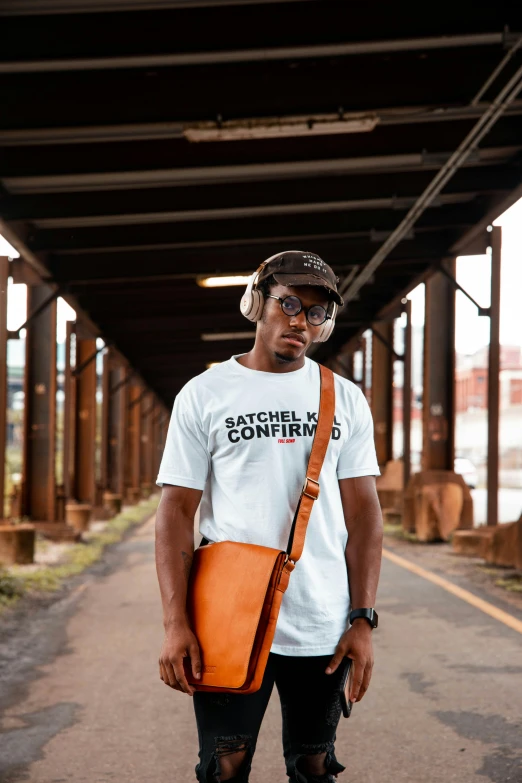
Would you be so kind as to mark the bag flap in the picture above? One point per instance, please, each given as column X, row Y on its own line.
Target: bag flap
column 228, row 585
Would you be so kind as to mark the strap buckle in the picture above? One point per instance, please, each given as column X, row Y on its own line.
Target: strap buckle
column 311, row 488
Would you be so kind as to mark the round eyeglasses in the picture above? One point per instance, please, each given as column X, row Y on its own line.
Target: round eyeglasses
column 292, row 305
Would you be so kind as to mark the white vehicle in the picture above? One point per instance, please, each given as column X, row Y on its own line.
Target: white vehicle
column 467, row 470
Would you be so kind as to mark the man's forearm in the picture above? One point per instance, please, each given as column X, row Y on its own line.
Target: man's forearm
column 174, row 553
column 363, row 558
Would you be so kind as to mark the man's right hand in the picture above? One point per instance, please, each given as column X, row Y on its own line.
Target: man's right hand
column 179, row 643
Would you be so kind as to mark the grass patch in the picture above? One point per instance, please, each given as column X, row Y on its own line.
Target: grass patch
column 398, row 532
column 11, row 588
column 16, row 582
column 511, row 583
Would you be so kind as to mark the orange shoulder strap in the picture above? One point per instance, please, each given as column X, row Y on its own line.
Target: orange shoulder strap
column 310, row 491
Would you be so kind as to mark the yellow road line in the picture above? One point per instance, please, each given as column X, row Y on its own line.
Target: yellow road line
column 465, row 595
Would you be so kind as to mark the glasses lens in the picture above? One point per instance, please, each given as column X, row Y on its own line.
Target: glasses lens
column 316, row 315
column 291, row 305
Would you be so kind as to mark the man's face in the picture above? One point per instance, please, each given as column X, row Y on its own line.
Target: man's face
column 288, row 337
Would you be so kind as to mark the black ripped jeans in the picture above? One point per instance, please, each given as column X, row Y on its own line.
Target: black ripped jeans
column 310, row 707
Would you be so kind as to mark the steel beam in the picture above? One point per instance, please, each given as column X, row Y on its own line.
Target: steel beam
column 382, row 391
column 406, row 403
column 258, row 172
column 85, row 441
column 50, row 7
column 238, row 212
column 4, row 275
column 38, row 481
column 505, row 97
column 99, row 134
column 494, row 378
column 438, row 414
column 253, row 55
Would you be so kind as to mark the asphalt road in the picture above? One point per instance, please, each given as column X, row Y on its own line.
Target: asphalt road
column 81, row 700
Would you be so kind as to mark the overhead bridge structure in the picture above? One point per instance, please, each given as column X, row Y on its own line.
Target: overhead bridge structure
column 147, row 145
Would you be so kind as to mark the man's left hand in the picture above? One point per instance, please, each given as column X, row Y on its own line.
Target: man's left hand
column 356, row 643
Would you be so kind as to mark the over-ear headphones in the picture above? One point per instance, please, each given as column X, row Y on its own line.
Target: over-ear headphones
column 253, row 301
column 329, row 324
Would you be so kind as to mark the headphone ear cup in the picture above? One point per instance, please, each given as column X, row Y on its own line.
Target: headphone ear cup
column 252, row 303
column 328, row 327
column 258, row 302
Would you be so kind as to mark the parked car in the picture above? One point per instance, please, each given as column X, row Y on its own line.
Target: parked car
column 467, row 470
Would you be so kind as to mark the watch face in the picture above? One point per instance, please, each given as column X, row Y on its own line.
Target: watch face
column 368, row 614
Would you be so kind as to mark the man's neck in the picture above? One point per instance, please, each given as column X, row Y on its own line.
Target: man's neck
column 259, row 359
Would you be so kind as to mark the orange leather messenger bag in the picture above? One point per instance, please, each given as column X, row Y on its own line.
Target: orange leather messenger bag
column 235, row 590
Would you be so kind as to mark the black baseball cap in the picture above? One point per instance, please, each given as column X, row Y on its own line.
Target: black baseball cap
column 297, row 267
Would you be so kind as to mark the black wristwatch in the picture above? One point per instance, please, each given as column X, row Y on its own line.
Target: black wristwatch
column 368, row 614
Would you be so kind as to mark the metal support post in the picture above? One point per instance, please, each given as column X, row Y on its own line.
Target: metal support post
column 134, row 440
column 151, row 412
column 69, row 409
column 146, row 442
column 104, row 458
column 382, row 390
column 85, row 451
column 154, row 426
column 364, row 342
column 118, row 376
column 4, row 275
column 123, row 438
column 406, row 402
column 438, row 414
column 494, row 378
column 38, row 481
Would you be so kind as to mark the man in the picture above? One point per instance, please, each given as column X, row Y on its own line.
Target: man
column 238, row 441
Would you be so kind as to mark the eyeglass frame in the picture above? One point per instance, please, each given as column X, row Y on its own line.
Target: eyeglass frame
column 281, row 299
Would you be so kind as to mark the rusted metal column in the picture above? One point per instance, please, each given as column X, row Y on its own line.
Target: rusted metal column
column 364, row 348
column 4, row 274
column 134, row 441
column 85, row 441
column 118, row 377
column 146, row 442
column 38, row 478
column 406, row 402
column 349, row 366
column 382, row 390
column 154, row 434
column 163, row 428
column 104, row 457
column 158, row 436
column 69, row 409
column 494, row 378
column 438, row 414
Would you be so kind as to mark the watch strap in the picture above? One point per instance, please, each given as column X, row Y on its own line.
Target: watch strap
column 369, row 614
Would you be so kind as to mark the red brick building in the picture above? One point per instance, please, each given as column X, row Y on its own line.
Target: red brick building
column 472, row 379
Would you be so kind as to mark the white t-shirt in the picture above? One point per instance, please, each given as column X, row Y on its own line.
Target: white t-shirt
column 244, row 437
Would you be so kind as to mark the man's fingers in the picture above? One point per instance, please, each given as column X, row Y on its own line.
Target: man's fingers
column 357, row 679
column 365, row 681
column 179, row 673
column 195, row 660
column 167, row 675
column 335, row 662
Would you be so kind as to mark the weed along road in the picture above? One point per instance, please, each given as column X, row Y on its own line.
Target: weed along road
column 82, row 701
